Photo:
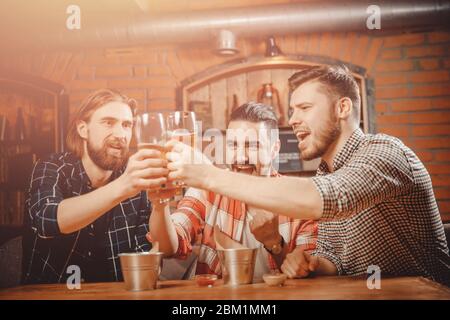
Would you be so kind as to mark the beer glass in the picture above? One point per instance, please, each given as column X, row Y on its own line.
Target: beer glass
column 181, row 126
column 151, row 133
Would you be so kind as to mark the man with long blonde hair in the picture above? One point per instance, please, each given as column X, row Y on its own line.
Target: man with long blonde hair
column 87, row 205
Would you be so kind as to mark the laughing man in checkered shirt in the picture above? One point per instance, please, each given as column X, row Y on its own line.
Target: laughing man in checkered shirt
column 372, row 195
column 252, row 142
column 87, row 206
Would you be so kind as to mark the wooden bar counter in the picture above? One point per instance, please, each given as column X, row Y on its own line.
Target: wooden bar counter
column 313, row 288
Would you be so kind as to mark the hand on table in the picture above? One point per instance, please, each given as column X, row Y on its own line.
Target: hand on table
column 299, row 264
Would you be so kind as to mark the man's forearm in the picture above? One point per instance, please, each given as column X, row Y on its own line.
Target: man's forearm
column 75, row 213
column 326, row 267
column 163, row 230
column 289, row 196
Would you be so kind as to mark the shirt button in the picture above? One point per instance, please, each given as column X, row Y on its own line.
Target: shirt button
column 89, row 253
column 92, row 226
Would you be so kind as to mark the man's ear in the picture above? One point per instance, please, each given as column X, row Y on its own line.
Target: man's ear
column 345, row 108
column 82, row 129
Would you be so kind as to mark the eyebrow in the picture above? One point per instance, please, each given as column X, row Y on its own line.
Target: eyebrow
column 115, row 119
column 302, row 104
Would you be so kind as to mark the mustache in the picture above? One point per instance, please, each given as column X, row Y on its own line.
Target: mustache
column 116, row 143
column 245, row 163
column 301, row 129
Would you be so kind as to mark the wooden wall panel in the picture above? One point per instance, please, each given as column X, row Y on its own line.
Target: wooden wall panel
column 218, row 95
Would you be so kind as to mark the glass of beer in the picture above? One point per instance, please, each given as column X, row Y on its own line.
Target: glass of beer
column 151, row 133
column 181, row 126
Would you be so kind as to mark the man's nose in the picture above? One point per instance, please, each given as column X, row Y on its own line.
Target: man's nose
column 294, row 119
column 242, row 155
column 119, row 131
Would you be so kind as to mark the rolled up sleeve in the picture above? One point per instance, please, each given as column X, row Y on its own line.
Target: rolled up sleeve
column 189, row 221
column 44, row 198
column 324, row 249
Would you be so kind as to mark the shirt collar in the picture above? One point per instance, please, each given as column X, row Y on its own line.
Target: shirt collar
column 344, row 155
column 84, row 178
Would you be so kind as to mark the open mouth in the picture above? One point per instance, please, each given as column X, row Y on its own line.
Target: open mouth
column 301, row 135
column 243, row 168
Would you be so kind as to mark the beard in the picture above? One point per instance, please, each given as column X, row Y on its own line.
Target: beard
column 105, row 160
column 325, row 137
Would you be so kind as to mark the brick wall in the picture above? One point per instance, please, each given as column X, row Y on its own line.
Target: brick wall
column 411, row 74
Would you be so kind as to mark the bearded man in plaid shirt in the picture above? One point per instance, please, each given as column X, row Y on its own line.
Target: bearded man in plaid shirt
column 252, row 130
column 87, row 206
column 372, row 195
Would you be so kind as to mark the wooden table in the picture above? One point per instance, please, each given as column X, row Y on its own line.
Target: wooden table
column 314, row 288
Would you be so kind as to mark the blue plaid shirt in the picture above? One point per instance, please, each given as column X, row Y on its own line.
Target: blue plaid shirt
column 95, row 248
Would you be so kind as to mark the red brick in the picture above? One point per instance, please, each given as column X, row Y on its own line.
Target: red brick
column 391, row 92
column 404, row 40
column 157, row 82
column 447, row 63
column 430, row 143
column 431, row 117
column 438, row 168
column 75, row 97
column 429, row 64
column 440, row 180
column 391, row 54
column 442, row 193
column 396, row 131
column 424, row 156
column 112, row 71
column 157, row 70
column 138, row 94
column 85, row 72
column 444, row 206
column 361, row 52
column 428, row 51
column 431, row 90
column 411, row 105
column 435, row 130
column 440, row 103
column 162, row 93
column 442, row 156
column 140, row 71
column 372, row 53
column 161, row 104
column 389, row 119
column 381, row 106
column 430, row 76
column 391, row 78
column 87, row 84
column 437, row 37
column 398, row 65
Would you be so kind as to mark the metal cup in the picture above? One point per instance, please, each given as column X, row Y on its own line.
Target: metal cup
column 140, row 270
column 237, row 265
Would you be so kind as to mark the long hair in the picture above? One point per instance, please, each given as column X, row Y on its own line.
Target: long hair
column 91, row 103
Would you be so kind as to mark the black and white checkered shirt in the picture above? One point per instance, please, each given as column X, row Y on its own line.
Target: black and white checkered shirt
column 379, row 209
column 95, row 248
